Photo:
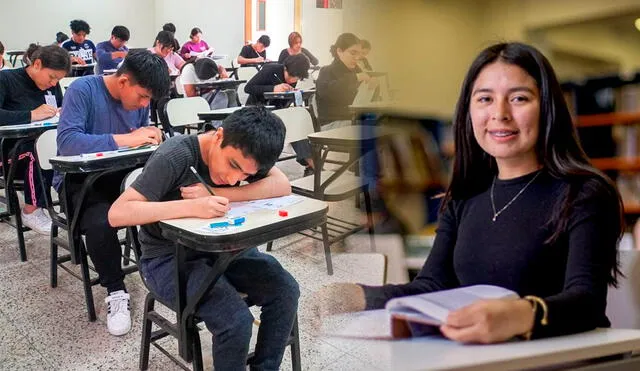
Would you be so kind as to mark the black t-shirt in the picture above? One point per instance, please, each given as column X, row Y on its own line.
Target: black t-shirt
column 164, row 173
column 270, row 75
column 19, row 95
column 284, row 54
column 248, row 51
column 570, row 275
column 336, row 88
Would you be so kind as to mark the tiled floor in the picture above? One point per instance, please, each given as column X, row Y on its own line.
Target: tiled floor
column 47, row 329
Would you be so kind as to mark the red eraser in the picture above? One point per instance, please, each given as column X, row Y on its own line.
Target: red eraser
column 283, row 213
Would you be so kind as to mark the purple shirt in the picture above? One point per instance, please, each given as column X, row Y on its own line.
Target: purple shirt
column 190, row 46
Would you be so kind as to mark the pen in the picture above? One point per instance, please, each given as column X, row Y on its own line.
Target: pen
column 278, row 78
column 193, row 170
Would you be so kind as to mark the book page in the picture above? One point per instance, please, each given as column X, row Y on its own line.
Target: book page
column 370, row 324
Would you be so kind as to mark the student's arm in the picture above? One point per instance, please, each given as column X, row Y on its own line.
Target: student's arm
column 283, row 55
column 275, row 184
column 103, row 56
column 436, row 274
column 184, row 51
column 246, row 58
column 314, row 61
column 336, row 89
column 261, row 83
column 10, row 117
column 179, row 62
column 189, row 90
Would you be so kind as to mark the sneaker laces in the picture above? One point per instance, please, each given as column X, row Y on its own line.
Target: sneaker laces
column 117, row 302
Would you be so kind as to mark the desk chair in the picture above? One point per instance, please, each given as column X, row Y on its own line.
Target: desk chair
column 623, row 302
column 64, row 84
column 299, row 125
column 46, row 148
column 183, row 112
column 12, row 204
column 313, row 110
column 151, row 317
column 244, row 73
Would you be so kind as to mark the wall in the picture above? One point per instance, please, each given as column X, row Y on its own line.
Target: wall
column 39, row 20
column 279, row 22
column 320, row 29
column 221, row 22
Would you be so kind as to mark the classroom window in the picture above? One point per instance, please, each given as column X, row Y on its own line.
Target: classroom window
column 326, row 4
column 262, row 15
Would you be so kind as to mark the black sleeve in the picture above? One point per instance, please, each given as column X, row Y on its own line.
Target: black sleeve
column 10, row 117
column 436, row 274
column 336, row 89
column 283, row 55
column 263, row 81
column 314, row 61
column 248, row 52
column 592, row 237
column 158, row 178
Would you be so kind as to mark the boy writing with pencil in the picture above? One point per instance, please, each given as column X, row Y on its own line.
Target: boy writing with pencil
column 244, row 148
column 104, row 113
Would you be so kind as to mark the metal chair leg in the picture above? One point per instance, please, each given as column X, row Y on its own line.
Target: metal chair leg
column 198, row 364
column 367, row 208
column 269, row 245
column 327, row 248
column 53, row 259
column 147, row 325
column 296, row 364
column 86, row 281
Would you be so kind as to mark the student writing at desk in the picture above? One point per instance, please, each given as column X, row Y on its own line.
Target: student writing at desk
column 524, row 210
column 275, row 77
column 295, row 47
column 245, row 148
column 82, row 50
column 103, row 113
column 29, row 94
column 338, row 83
column 205, row 70
column 255, row 53
column 163, row 46
column 110, row 53
column 195, row 46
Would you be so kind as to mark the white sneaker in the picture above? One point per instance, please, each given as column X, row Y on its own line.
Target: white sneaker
column 38, row 221
column 118, row 315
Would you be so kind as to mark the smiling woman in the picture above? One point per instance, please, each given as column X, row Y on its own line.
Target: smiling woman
column 524, row 210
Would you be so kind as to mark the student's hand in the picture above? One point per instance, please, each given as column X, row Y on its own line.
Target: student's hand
column 362, row 76
column 196, row 190
column 120, row 54
column 78, row 60
column 333, row 299
column 373, row 83
column 280, row 88
column 43, row 112
column 210, row 207
column 186, row 56
column 144, row 135
column 259, row 60
column 489, row 321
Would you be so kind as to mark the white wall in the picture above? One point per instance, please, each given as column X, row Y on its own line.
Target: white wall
column 320, row 29
column 221, row 22
column 279, row 22
column 24, row 22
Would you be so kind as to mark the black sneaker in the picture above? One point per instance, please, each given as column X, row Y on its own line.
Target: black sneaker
column 308, row 171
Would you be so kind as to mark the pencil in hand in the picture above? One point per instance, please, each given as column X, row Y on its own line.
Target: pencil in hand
column 193, row 170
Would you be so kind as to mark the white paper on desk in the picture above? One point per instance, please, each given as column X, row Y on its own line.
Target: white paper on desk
column 370, row 324
column 365, row 94
column 50, row 120
column 247, row 207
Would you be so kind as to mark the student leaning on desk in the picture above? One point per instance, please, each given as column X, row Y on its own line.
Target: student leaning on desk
column 244, row 148
column 103, row 113
column 524, row 210
column 29, row 94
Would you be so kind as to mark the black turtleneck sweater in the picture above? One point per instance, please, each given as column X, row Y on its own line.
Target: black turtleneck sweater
column 570, row 274
column 336, row 88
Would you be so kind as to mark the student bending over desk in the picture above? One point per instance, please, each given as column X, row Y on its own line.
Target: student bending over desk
column 102, row 113
column 29, row 94
column 255, row 53
column 205, row 70
column 524, row 210
column 245, row 148
column 111, row 52
column 163, row 47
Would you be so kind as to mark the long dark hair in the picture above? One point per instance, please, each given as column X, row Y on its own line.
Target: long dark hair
column 344, row 42
column 558, row 148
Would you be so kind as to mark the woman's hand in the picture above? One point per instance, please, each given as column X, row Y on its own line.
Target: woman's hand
column 489, row 321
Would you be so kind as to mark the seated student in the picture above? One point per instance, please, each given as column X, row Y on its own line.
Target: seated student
column 29, row 94
column 205, row 70
column 275, row 77
column 82, row 50
column 172, row 28
column 255, row 53
column 338, row 83
column 103, row 113
column 163, row 47
column 112, row 52
column 245, row 148
column 196, row 46
column 60, row 38
column 3, row 63
column 363, row 63
column 524, row 210
column 295, row 47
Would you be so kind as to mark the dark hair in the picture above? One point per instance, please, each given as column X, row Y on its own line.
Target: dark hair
column 257, row 132
column 297, row 65
column 169, row 27
column 195, row 31
column 1, row 48
column 558, row 148
column 265, row 40
column 165, row 38
column 50, row 56
column 78, row 25
column 121, row 32
column 365, row 44
column 344, row 42
column 205, row 68
column 148, row 70
column 61, row 37
column 293, row 36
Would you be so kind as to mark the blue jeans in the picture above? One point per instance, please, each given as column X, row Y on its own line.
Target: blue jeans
column 226, row 314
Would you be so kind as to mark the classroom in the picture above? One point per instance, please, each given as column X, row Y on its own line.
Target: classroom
column 320, row 185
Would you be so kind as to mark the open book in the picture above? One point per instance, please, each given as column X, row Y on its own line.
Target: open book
column 409, row 316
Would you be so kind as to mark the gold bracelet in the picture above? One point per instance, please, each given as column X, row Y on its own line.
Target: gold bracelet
column 535, row 301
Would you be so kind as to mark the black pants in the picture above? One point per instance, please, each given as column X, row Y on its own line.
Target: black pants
column 103, row 245
column 27, row 170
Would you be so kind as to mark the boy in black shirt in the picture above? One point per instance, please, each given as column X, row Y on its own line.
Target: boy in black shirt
column 255, row 53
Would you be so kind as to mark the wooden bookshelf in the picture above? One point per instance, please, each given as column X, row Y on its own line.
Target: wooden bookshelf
column 625, row 164
column 608, row 119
